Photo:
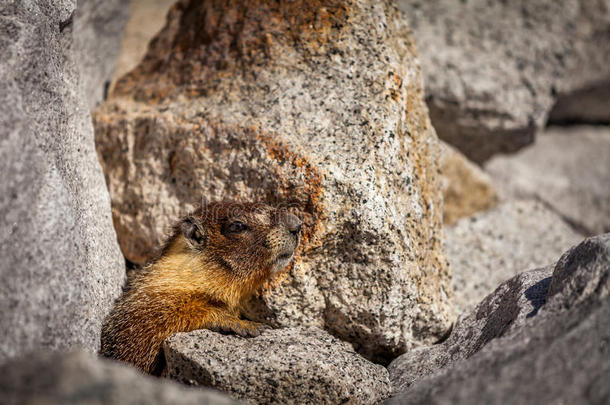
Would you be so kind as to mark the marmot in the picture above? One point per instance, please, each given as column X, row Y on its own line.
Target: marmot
column 215, row 259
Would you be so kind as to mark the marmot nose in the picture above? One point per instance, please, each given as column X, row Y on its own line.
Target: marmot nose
column 293, row 223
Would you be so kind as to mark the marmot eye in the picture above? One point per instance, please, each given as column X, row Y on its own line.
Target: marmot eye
column 237, row 227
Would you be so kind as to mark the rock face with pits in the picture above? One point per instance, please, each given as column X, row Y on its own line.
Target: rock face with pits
column 283, row 366
column 315, row 105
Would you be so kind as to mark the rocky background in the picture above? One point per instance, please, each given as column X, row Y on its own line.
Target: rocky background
column 450, row 160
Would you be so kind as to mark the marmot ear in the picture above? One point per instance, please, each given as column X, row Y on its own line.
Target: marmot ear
column 194, row 231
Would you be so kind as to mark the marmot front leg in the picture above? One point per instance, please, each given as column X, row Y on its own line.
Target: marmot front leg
column 231, row 323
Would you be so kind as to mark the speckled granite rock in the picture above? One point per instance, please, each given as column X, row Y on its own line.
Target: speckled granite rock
column 61, row 267
column 282, row 366
column 80, row 378
column 493, row 70
column 467, row 189
column 314, row 105
column 568, row 169
column 493, row 246
column 503, row 310
column 98, row 30
column 558, row 355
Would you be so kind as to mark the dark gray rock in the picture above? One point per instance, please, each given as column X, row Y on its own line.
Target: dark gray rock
column 98, row 31
column 505, row 309
column 493, row 70
column 282, row 366
column 491, row 247
column 561, row 354
column 590, row 105
column 568, row 169
column 61, row 267
column 79, row 378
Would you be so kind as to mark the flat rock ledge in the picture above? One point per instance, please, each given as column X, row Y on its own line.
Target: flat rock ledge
column 535, row 340
column 282, row 366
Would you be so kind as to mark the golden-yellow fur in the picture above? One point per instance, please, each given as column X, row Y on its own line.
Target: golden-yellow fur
column 203, row 276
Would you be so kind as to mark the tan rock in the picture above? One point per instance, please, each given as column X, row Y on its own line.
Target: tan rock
column 146, row 18
column 315, row 105
column 467, row 189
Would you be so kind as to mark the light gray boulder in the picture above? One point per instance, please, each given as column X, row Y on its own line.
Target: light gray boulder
column 557, row 354
column 78, row 378
column 491, row 247
column 493, row 70
column 282, row 366
column 568, row 169
column 61, row 267
column 98, row 33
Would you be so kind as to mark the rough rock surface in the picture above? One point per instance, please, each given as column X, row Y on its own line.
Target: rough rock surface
column 61, row 267
column 493, row 70
column 98, row 30
column 282, row 366
column 503, row 310
column 315, row 105
column 467, row 189
column 558, row 354
column 80, row 378
column 568, row 169
column 493, row 246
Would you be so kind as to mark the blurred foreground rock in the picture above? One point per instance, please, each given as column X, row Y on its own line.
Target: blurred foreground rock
column 493, row 70
column 467, row 189
column 318, row 106
column 590, row 105
column 146, row 18
column 491, row 247
column 98, row 31
column 77, row 378
column 61, row 267
column 282, row 366
column 568, row 169
column 516, row 349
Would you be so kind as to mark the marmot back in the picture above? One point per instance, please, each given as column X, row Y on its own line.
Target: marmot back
column 215, row 259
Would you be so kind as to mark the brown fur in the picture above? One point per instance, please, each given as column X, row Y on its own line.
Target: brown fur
column 205, row 272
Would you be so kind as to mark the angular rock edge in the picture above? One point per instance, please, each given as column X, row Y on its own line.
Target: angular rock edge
column 293, row 365
column 560, row 354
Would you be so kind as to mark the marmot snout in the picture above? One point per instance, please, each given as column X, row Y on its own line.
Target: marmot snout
column 215, row 259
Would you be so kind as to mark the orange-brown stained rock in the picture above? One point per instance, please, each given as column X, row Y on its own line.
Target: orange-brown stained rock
column 213, row 40
column 467, row 189
column 314, row 105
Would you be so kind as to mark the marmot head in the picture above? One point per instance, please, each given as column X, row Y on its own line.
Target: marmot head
column 245, row 239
